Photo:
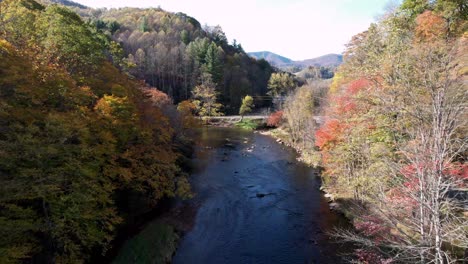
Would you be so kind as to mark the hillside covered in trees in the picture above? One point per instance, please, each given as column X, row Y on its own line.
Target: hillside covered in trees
column 173, row 52
column 393, row 140
column 88, row 145
column 84, row 148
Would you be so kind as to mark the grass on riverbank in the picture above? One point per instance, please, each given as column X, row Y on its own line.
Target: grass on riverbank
column 248, row 124
column 310, row 157
column 155, row 244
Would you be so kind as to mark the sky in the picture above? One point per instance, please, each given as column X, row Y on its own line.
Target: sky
column 297, row 29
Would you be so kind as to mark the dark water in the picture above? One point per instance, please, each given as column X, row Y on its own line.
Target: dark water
column 256, row 204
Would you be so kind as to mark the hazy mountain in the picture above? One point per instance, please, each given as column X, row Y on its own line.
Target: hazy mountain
column 329, row 60
column 275, row 59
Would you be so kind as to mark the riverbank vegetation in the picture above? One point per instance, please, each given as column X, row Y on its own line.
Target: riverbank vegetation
column 88, row 145
column 155, row 244
column 393, row 141
column 84, row 148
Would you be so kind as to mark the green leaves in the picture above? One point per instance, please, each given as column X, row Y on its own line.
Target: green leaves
column 68, row 40
column 247, row 105
column 72, row 147
column 280, row 84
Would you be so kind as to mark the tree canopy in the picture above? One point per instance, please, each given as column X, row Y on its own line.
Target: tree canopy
column 85, row 148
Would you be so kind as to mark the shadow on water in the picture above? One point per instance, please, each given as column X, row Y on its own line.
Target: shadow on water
column 256, row 204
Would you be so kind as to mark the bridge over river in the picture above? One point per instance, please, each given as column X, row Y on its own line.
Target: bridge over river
column 232, row 119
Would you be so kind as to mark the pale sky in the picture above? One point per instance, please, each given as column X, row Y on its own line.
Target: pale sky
column 297, row 29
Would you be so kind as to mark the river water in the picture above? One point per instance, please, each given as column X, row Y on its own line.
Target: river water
column 256, row 204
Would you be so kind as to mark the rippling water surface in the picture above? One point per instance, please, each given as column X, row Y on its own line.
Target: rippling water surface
column 256, row 204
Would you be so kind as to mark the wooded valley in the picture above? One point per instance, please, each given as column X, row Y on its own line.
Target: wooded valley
column 98, row 106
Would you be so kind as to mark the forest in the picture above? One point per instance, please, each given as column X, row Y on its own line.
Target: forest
column 97, row 108
column 173, row 52
column 392, row 144
column 77, row 136
column 87, row 144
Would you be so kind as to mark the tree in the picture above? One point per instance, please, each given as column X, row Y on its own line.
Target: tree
column 298, row 113
column 79, row 156
column 205, row 96
column 143, row 27
column 213, row 63
column 247, row 106
column 279, row 85
column 275, row 119
column 400, row 105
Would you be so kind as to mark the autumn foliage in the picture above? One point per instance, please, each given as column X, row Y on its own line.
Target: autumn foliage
column 275, row 119
column 329, row 134
column 430, row 26
column 393, row 143
column 83, row 149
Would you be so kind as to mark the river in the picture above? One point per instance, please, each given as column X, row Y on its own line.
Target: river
column 256, row 204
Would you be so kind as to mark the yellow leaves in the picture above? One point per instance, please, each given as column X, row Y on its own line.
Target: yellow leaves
column 75, row 142
column 103, row 106
column 337, row 82
column 5, row 47
column 119, row 109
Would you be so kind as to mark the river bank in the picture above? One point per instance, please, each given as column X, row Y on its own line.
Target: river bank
column 312, row 159
column 254, row 203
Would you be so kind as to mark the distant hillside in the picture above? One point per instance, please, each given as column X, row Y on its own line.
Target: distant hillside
column 64, row 2
column 329, row 60
column 271, row 57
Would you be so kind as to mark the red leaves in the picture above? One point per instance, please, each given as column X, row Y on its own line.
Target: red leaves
column 457, row 170
column 275, row 119
column 371, row 226
column 356, row 86
column 369, row 257
column 346, row 104
column 329, row 134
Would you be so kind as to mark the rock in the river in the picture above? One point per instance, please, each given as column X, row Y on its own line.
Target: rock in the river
column 329, row 196
column 334, row 206
column 229, row 145
column 260, row 195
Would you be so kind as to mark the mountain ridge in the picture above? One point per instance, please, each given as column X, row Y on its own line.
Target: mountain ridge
column 328, row 60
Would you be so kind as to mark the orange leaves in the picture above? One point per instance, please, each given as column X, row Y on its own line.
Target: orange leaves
column 430, row 27
column 5, row 46
column 329, row 134
column 346, row 103
column 89, row 139
column 187, row 107
column 358, row 85
column 156, row 97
